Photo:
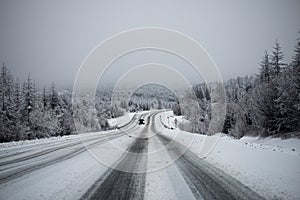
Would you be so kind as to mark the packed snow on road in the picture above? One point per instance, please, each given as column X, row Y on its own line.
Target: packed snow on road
column 151, row 161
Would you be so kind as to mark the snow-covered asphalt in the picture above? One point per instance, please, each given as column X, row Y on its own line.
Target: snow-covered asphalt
column 142, row 163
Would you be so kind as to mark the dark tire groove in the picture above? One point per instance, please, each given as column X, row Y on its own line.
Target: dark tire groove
column 125, row 185
column 124, row 128
column 14, row 174
column 204, row 179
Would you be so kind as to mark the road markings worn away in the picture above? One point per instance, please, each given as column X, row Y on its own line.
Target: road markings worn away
column 187, row 178
column 116, row 184
column 16, row 168
column 204, row 179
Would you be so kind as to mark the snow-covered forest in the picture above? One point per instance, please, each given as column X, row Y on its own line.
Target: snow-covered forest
column 152, row 96
column 264, row 104
column 28, row 113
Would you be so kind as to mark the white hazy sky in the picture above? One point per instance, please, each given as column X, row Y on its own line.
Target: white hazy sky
column 51, row 38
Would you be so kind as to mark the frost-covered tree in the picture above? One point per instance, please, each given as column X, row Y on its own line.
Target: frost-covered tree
column 85, row 113
column 191, row 109
column 26, row 113
column 53, row 97
column 289, row 100
column 265, row 68
column 274, row 99
column 45, row 99
column 276, row 60
column 7, row 112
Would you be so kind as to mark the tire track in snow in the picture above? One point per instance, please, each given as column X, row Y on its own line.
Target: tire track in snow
column 116, row 184
column 54, row 148
column 14, row 173
column 205, row 180
column 36, row 161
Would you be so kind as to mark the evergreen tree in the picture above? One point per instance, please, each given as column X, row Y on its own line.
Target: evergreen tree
column 28, row 98
column 45, row 100
column 265, row 68
column 54, row 97
column 3, row 86
column 276, row 60
column 296, row 66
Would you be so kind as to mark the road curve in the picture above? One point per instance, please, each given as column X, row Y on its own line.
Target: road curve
column 16, row 165
column 204, row 180
column 119, row 182
column 123, row 180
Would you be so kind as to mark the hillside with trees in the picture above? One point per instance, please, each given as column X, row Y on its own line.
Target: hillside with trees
column 267, row 104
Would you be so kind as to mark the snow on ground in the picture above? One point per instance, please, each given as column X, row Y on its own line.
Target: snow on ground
column 163, row 176
column 275, row 174
column 269, row 166
column 122, row 120
column 11, row 148
column 171, row 121
column 119, row 121
column 76, row 174
column 36, row 143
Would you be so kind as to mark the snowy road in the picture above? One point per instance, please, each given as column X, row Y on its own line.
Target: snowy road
column 163, row 168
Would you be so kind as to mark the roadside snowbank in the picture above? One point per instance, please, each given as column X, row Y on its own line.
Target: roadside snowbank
column 120, row 121
column 63, row 139
column 269, row 166
column 68, row 179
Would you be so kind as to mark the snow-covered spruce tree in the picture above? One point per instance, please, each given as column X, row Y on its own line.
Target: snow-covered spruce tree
column 53, row 97
column 238, row 121
column 265, row 72
column 4, row 87
column 198, row 91
column 44, row 122
column 44, row 116
column 289, row 101
column 193, row 112
column 264, row 98
column 103, row 107
column 28, row 114
column 66, row 115
column 176, row 109
column 17, row 121
column 268, row 94
column 7, row 112
column 26, row 108
column 85, row 113
column 52, row 114
column 276, row 60
column 296, row 79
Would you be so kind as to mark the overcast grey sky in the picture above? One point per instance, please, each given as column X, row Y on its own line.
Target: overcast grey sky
column 50, row 38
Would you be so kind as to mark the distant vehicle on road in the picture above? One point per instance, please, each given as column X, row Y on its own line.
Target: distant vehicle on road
column 141, row 121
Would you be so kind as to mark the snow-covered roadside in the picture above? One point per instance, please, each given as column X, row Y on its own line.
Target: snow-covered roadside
column 171, row 121
column 21, row 148
column 261, row 166
column 68, row 179
column 120, row 121
column 269, row 166
column 27, row 145
column 33, row 143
